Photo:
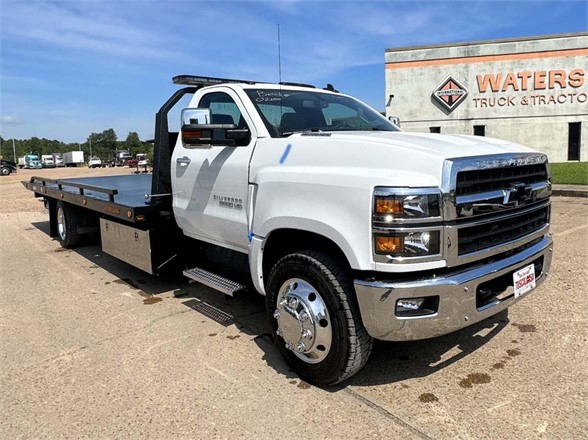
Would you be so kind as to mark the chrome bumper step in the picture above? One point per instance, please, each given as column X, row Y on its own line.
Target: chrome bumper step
column 217, row 282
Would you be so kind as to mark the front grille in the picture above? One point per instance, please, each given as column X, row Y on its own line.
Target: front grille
column 487, row 235
column 481, row 181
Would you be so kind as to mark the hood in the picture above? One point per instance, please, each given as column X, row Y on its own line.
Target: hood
column 372, row 158
column 439, row 145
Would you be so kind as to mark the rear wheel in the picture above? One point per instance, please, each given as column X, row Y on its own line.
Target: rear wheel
column 315, row 319
column 68, row 220
column 5, row 171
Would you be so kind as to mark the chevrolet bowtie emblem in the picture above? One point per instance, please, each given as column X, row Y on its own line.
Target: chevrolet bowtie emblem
column 515, row 194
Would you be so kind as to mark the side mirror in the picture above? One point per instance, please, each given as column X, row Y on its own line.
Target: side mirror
column 395, row 120
column 199, row 132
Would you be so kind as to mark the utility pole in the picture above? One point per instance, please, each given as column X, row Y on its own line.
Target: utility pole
column 13, row 150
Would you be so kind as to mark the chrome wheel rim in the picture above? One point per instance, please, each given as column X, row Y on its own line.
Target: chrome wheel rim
column 61, row 223
column 303, row 321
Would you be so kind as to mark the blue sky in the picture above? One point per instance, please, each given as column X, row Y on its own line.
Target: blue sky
column 69, row 68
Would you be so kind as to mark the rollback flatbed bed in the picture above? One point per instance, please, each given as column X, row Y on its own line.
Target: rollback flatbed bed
column 123, row 197
column 131, row 228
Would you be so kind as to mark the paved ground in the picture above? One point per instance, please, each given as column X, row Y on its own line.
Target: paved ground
column 92, row 348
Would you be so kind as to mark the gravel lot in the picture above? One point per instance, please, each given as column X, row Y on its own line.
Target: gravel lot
column 93, row 348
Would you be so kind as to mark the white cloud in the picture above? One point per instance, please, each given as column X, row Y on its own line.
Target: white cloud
column 88, row 28
column 10, row 120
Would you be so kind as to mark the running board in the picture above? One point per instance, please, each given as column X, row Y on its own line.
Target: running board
column 214, row 281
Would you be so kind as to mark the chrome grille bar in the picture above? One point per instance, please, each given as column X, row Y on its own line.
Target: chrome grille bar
column 487, row 235
column 487, row 180
column 493, row 204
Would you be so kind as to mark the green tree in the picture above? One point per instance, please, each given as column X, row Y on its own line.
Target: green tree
column 97, row 144
column 101, row 144
column 133, row 143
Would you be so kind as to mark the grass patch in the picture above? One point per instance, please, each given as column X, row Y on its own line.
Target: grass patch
column 569, row 173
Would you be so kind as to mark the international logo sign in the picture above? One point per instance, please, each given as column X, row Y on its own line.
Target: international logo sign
column 450, row 93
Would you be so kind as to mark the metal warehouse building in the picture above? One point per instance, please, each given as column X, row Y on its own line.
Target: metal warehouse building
column 533, row 91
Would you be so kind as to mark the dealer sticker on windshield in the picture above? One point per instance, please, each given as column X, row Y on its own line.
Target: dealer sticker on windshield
column 524, row 280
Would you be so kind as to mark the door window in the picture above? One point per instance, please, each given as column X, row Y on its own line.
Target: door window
column 223, row 109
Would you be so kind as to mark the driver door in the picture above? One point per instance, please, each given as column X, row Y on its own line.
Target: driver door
column 211, row 184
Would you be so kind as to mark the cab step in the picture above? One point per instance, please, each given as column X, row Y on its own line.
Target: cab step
column 217, row 282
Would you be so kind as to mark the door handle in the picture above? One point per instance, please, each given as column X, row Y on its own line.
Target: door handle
column 183, row 161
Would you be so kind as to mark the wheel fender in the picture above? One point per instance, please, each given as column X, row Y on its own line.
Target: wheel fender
column 319, row 228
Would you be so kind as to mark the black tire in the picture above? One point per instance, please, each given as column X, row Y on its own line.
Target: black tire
column 5, row 171
column 68, row 219
column 350, row 344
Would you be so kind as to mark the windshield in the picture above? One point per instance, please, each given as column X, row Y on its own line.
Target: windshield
column 291, row 111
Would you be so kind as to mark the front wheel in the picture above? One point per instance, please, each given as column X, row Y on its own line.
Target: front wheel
column 5, row 171
column 315, row 318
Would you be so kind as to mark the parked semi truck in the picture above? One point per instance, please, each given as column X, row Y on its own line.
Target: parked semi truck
column 352, row 229
column 47, row 161
column 121, row 158
column 7, row 167
column 73, row 158
column 30, row 161
column 58, row 159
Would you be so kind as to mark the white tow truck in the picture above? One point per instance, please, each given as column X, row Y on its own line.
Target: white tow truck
column 352, row 229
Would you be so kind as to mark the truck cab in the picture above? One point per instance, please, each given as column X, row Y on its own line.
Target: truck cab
column 58, row 159
column 7, row 167
column 47, row 161
column 289, row 133
column 121, row 158
column 32, row 161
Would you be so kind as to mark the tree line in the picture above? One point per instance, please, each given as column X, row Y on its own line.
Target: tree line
column 102, row 145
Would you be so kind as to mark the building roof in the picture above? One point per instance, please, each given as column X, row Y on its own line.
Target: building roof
column 483, row 42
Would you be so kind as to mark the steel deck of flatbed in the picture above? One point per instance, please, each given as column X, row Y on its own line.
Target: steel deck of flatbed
column 117, row 196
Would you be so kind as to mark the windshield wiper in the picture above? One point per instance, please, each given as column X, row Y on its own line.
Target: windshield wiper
column 306, row 130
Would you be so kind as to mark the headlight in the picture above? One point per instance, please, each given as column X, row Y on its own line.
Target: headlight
column 407, row 244
column 407, row 224
column 388, row 207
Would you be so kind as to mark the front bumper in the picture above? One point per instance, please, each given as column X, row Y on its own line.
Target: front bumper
column 457, row 307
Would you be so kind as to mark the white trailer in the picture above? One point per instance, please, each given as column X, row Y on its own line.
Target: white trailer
column 73, row 158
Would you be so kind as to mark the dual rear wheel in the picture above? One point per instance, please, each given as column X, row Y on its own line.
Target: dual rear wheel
column 67, row 222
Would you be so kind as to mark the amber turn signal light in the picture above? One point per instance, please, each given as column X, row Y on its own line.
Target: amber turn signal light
column 388, row 206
